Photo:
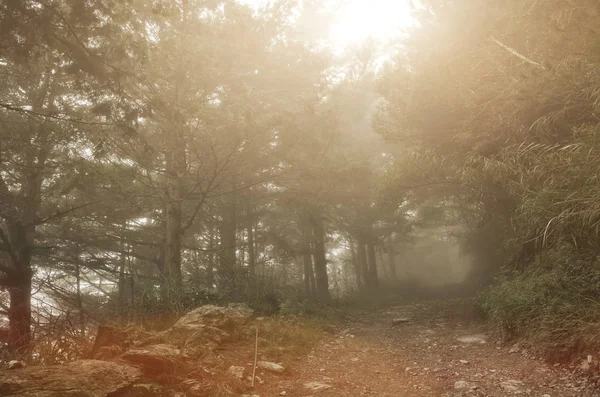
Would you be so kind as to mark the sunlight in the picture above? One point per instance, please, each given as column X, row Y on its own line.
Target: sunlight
column 355, row 21
column 380, row 20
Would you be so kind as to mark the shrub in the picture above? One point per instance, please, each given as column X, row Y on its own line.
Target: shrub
column 554, row 305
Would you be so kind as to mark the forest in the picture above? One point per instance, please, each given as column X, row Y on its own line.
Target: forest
column 161, row 155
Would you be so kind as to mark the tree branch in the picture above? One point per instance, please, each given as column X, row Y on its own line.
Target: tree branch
column 515, row 53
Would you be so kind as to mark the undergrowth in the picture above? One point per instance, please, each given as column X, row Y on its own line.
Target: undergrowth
column 554, row 306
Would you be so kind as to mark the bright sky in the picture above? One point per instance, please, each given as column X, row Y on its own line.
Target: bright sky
column 358, row 20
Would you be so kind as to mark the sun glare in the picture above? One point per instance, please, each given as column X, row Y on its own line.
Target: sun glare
column 380, row 20
column 355, row 21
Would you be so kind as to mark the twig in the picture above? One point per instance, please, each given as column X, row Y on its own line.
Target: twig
column 515, row 53
column 255, row 357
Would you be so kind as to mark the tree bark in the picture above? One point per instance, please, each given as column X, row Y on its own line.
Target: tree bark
column 355, row 265
column 251, row 249
column 227, row 257
column 321, row 278
column 175, row 169
column 210, row 265
column 307, row 261
column 391, row 251
column 371, row 259
column 362, row 260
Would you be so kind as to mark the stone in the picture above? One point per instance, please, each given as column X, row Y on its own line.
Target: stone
column 462, row 385
column 236, row 371
column 269, row 366
column 109, row 342
column 463, row 361
column 224, row 318
column 156, row 358
column 515, row 349
column 15, row 364
column 196, row 341
column 400, row 321
column 512, row 386
column 83, row 378
column 317, row 386
column 479, row 338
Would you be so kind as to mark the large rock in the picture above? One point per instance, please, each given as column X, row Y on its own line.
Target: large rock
column 207, row 327
column 199, row 340
column 109, row 343
column 223, row 318
column 84, row 378
column 156, row 358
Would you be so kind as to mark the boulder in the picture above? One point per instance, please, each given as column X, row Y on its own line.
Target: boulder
column 196, row 341
column 84, row 378
column 223, row 318
column 109, row 342
column 207, row 327
column 155, row 358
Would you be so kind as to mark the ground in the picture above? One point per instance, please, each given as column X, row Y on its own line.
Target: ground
column 421, row 355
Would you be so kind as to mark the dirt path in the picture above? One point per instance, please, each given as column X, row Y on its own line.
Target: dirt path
column 420, row 357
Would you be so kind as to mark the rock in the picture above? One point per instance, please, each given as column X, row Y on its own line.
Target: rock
column 224, row 318
column 269, row 366
column 203, row 388
column 143, row 390
column 109, row 342
column 462, row 385
column 236, row 372
column 479, row 338
column 515, row 348
column 154, row 358
column 400, row 321
column 15, row 364
column 317, row 386
column 197, row 341
column 205, row 328
column 84, row 378
column 512, row 386
column 463, row 361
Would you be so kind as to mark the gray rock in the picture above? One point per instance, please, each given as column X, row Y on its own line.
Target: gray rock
column 400, row 321
column 224, row 318
column 156, row 358
column 462, row 385
column 317, row 386
column 269, row 366
column 236, row 372
column 512, row 386
column 84, row 378
column 15, row 364
column 479, row 338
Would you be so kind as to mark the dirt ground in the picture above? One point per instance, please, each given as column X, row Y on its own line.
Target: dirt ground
column 435, row 349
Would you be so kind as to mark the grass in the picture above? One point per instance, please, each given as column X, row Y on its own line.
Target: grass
column 554, row 307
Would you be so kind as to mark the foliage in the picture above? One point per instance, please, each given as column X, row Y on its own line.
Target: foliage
column 555, row 305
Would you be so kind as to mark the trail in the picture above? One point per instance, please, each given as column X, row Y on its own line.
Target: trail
column 422, row 357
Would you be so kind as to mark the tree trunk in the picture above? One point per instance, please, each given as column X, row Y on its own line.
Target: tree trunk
column 210, row 264
column 307, row 261
column 391, row 251
column 176, row 166
column 321, row 278
column 227, row 257
column 251, row 249
column 79, row 300
column 19, row 315
column 362, row 260
column 355, row 265
column 372, row 259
